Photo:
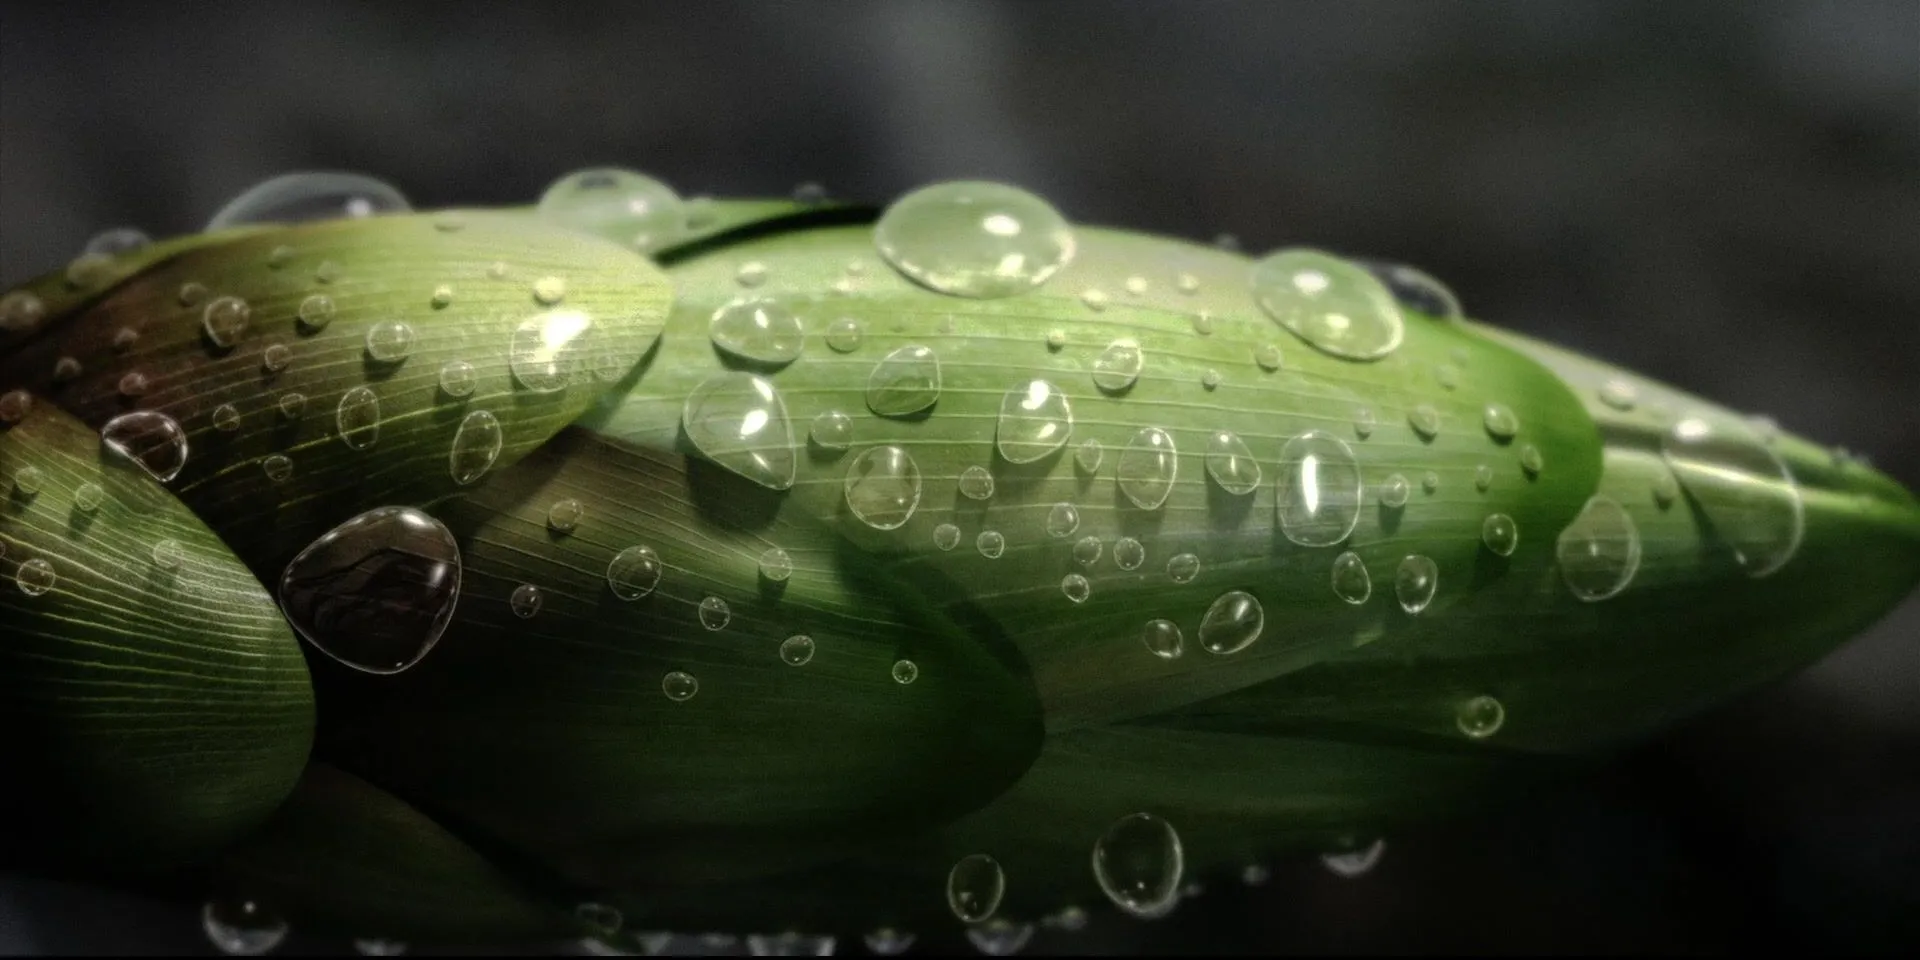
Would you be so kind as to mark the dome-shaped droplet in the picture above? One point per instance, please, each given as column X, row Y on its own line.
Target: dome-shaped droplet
column 28, row 480
column 1203, row 323
column 831, row 430
column 376, row 592
column 526, row 600
column 1069, row 918
column 1317, row 489
column 564, row 514
column 775, row 564
column 457, row 378
column 1035, row 420
column 1138, row 863
column 1447, row 376
column 905, row 672
column 974, row 887
column 1232, row 623
column 739, row 422
column 904, row 382
column 88, row 497
column 309, row 196
column 379, row 947
column 1267, row 356
column 1231, row 464
column 15, row 405
column 761, row 330
column 1425, row 420
column 1500, row 422
column 1075, row 587
column 1332, row 304
column 796, row 650
column 276, row 357
column 1530, row 459
column 976, row 483
column 883, row 487
column 1430, row 481
column 753, row 273
column 1087, row 455
column 476, row 445
column 134, row 384
column 715, row 613
column 34, row 577
column 844, row 335
column 888, row 942
column 946, row 536
column 1394, row 491
column 991, row 544
column 1119, row 365
column 1163, row 639
column 168, row 554
column 679, row 686
column 1183, row 567
column 315, row 313
column 1128, row 553
column 633, row 573
column 1351, row 581
column 1666, row 489
column 1147, row 468
column 1000, row 938
column 389, row 341
column 1482, row 477
column 550, row 290
column 1619, row 394
column 550, row 350
column 1062, row 519
column 1417, row 290
column 225, row 320
column 21, row 310
column 1350, row 864
column 1087, row 550
column 1599, row 551
column 1415, row 581
column 358, row 418
column 291, row 404
column 1744, row 490
column 277, row 466
column 117, row 241
column 242, row 928
column 1210, row 379
column 973, row 239
column 621, row 205
column 1480, row 717
column 149, row 439
column 1500, row 534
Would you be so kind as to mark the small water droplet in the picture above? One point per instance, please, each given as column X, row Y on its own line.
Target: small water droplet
column 1415, row 581
column 1210, row 379
column 1163, row 639
column 1147, row 468
column 279, row 257
column 1599, row 551
column 1118, row 366
column 1129, row 554
column 1354, row 863
column 905, row 672
column 65, row 369
column 1000, row 938
column 1482, row 477
column 358, row 418
column 124, row 339
column 28, row 480
column 192, row 294
column 1138, row 863
column 89, row 270
column 153, row 441
column 1267, row 355
column 760, row 330
column 374, row 947
column 441, row 297
column 292, row 404
column 1232, row 623
column 634, row 572
column 976, row 483
column 617, row 204
column 526, row 600
column 715, row 614
column 377, row 591
column 1430, row 481
column 308, row 196
column 904, row 382
column 1425, row 421
column 1666, row 489
column 1136, row 286
column 1394, row 491
column 739, row 421
column 775, row 564
column 1075, row 587
column 973, row 239
column 990, row 544
column 1183, row 567
column 888, row 942
column 1332, row 304
column 550, row 290
column 564, row 515
column 457, row 378
column 1447, row 376
column 21, row 310
column 1530, row 459
column 883, row 487
column 226, row 418
column 1035, row 420
column 497, row 270
column 225, row 320
column 1744, row 490
column 1187, row 283
column 1318, row 490
column 1087, row 456
column 1500, row 421
column 1619, row 394
column 278, row 467
column 326, row 272
column 316, row 311
column 1087, row 550
column 844, row 335
column 389, row 341
column 796, row 650
column 946, row 536
column 88, row 497
column 133, row 384
column 1351, row 581
column 679, row 686
column 242, row 928
column 15, row 405
column 34, row 577
column 1480, row 717
column 1062, row 520
column 1093, row 298
column 975, row 886
column 1231, row 464
column 276, row 357
column 1500, row 534
column 751, row 274
column 1203, row 323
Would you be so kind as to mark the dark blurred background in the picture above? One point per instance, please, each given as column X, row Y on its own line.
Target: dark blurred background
column 1722, row 195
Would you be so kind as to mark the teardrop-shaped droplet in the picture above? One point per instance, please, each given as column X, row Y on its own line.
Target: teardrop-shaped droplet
column 904, row 382
column 634, row 572
column 225, row 321
column 738, row 421
column 457, row 378
column 476, row 445
column 1147, row 468
column 34, row 577
column 1500, row 422
column 883, row 487
column 1088, row 454
column 1232, row 623
column 1744, row 490
column 1128, row 553
column 1332, row 304
column 1350, row 579
column 1035, row 420
column 715, row 613
column 149, row 439
column 1530, row 459
column 991, row 544
column 1500, row 534
column 375, row 592
column 242, row 928
column 974, row 239
column 1118, row 366
column 775, row 564
column 1138, row 863
column 310, row 196
column 389, row 341
column 1163, row 639
column 1231, row 464
column 831, row 430
column 1415, row 581
column 844, row 335
column 1394, row 491
column 1350, row 864
column 1599, row 551
column 976, row 483
column 550, row 350
column 1480, row 717
column 358, row 418
column 974, row 887
column 761, row 330
column 1062, row 520
column 1317, row 490
column 621, row 205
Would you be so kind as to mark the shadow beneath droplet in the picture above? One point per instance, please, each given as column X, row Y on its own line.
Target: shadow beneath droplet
column 1227, row 510
column 78, row 521
column 1020, row 478
column 728, row 498
column 380, row 371
column 1390, row 517
column 1134, row 521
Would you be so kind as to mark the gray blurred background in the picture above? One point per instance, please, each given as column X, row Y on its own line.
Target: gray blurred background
column 1725, row 196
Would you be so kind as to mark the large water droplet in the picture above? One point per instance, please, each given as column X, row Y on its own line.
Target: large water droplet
column 1482, row 477
column 358, row 418
column 973, row 239
column 1163, row 639
column 457, row 379
column 116, row 241
column 34, row 577
column 1231, row 464
column 1232, row 623
column 1500, row 534
column 225, row 321
column 375, row 592
column 1351, row 581
column 760, row 330
column 904, row 382
column 88, row 497
column 1415, row 581
column 308, row 196
column 1746, row 493
column 974, row 887
column 1480, row 717
column 622, row 205
column 153, row 441
column 476, row 445
column 1330, row 303
column 1599, row 551
column 1146, row 469
column 883, row 487
column 633, row 573
column 1317, row 490
column 1118, row 366
column 550, row 350
column 1416, row 289
column 242, row 928
column 976, row 483
column 739, row 422
column 1138, row 863
column 1035, row 420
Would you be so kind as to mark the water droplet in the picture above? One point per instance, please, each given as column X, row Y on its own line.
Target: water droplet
column 1334, row 305
column 89, row 270
column 1087, row 550
column 225, row 320
column 358, row 418
column 973, row 239
column 374, row 947
column 1530, row 459
column 549, row 351
column 457, row 378
column 65, row 369
column 1354, row 863
column 124, row 339
column 760, row 330
column 375, row 592
column 1500, row 534
column 1417, row 290
column 1075, row 587
column 1394, row 491
column 15, row 405
column 88, row 497
column 117, row 241
column 1210, row 379
column 34, row 577
column 1482, row 477
column 1268, row 356
column 1447, row 376
column 242, row 928
column 1350, row 579
column 1500, row 421
column 564, row 515
column 276, row 357
column 1746, row 493
column 615, row 203
column 990, row 544
column 883, row 487
column 1035, row 420
column 1203, row 323
column 831, row 430
column 1163, row 639
column 1232, row 623
column 1599, row 551
column 1430, row 481
column 1119, row 365
column 1087, row 455
column 904, row 382
column 946, row 536
column 1147, row 468
column 1231, row 464
column 1666, row 489
column 1254, row 875
column 1093, row 298
column 1425, row 421
column 905, row 672
column 308, row 196
column 1183, row 567
column 1136, row 286
column 292, row 405
column 1062, row 520
column 715, row 614
column 226, row 418
column 279, row 256
column 441, row 297
column 133, row 384
column 151, row 440
column 775, row 565
column 191, row 294
column 599, row 917
column 975, row 886
column 976, row 483
column 389, row 341
column 796, row 650
column 739, row 422
column 1317, row 489
column 888, row 942
column 326, row 272
column 1069, row 918
column 633, row 573
column 526, row 600
column 1056, row 339
column 278, row 467
column 1480, row 717
column 844, row 335
column 28, row 480
column 497, row 270
column 751, row 274
column 679, row 686
column 1138, row 863
column 1128, row 553
column 1619, row 394
column 21, row 310
column 315, row 312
